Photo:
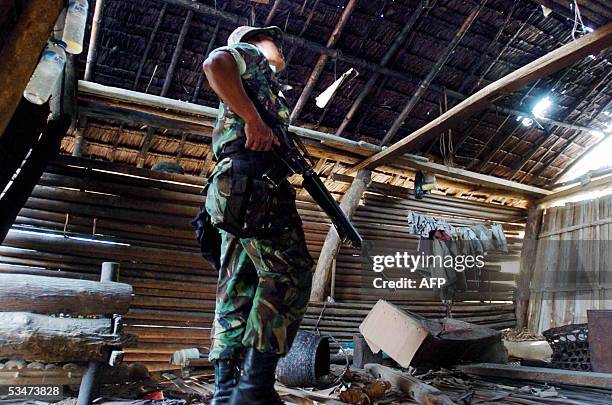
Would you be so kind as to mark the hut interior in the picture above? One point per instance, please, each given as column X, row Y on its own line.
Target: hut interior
column 501, row 110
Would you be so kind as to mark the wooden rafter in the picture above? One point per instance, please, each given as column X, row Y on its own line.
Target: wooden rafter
column 426, row 82
column 399, row 40
column 318, row 69
column 541, row 67
column 570, row 142
column 145, row 54
column 550, row 132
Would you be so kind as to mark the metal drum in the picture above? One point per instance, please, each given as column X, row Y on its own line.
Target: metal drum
column 306, row 363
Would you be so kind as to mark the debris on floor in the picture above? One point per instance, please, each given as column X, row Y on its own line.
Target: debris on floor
column 412, row 340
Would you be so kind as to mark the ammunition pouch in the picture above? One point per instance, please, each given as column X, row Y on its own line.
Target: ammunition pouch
column 240, row 202
column 208, row 237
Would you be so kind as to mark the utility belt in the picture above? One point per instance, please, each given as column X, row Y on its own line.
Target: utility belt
column 240, row 201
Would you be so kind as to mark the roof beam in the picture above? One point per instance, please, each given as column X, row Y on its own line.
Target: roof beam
column 145, row 54
column 541, row 67
column 426, row 82
column 178, row 112
column 550, row 133
column 318, row 69
column 386, row 59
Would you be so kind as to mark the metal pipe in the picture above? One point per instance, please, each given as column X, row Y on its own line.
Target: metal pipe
column 89, row 382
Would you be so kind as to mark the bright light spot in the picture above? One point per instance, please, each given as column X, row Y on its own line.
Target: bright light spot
column 588, row 29
column 527, row 122
column 541, row 107
column 598, row 158
column 597, row 134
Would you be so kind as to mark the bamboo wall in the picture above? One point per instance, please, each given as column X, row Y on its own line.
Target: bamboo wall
column 572, row 264
column 84, row 212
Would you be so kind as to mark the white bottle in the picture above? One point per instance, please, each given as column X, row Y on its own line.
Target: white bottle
column 47, row 73
column 74, row 27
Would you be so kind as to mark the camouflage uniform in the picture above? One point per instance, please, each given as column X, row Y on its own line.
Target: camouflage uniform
column 264, row 281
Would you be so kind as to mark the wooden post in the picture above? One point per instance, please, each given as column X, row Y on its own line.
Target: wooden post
column 332, row 243
column 527, row 264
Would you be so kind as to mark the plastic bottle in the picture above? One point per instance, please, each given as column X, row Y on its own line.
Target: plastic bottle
column 47, row 73
column 74, row 27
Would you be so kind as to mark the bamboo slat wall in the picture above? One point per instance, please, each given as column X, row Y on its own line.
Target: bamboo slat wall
column 84, row 212
column 574, row 258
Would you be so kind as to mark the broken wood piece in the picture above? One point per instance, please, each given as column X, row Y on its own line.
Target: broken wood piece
column 57, row 376
column 50, row 295
column 422, row 393
column 557, row 376
column 40, row 337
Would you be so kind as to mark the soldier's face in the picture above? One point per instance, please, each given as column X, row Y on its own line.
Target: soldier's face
column 270, row 49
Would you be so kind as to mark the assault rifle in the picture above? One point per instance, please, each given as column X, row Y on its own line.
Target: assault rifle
column 294, row 159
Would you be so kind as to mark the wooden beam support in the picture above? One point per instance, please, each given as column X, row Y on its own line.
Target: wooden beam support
column 426, row 82
column 550, row 132
column 527, row 264
column 593, row 185
column 543, row 375
column 94, row 40
column 332, row 244
column 198, row 113
column 544, row 66
column 145, row 54
column 399, row 40
column 318, row 69
column 20, row 52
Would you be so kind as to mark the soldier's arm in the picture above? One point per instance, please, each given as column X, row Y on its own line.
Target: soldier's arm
column 224, row 78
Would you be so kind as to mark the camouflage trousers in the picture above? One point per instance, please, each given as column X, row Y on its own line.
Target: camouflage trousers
column 263, row 289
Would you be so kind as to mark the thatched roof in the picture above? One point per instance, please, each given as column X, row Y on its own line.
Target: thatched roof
column 504, row 36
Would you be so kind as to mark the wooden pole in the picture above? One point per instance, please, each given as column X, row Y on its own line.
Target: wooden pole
column 21, row 50
column 527, row 264
column 389, row 54
column 94, row 40
column 332, row 243
column 318, row 69
column 145, row 54
column 426, row 82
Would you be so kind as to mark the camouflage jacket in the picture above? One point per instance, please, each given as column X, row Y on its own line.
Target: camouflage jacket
column 256, row 73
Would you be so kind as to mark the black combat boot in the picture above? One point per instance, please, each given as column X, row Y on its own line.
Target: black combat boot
column 256, row 386
column 227, row 374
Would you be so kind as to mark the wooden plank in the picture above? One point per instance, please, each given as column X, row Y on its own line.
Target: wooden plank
column 593, row 185
column 541, row 67
column 557, row 376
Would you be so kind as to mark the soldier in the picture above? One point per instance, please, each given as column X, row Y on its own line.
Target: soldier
column 264, row 279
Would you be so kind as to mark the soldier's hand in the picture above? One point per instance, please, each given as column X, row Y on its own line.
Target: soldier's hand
column 259, row 137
